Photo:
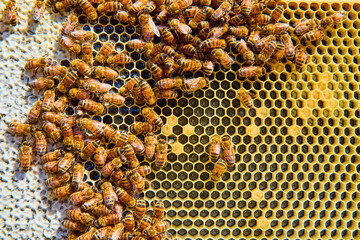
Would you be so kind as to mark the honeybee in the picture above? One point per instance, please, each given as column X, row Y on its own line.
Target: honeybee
column 63, row 191
column 138, row 6
column 311, row 36
column 279, row 52
column 128, row 86
column 301, row 58
column 260, row 20
column 77, row 215
column 100, row 158
column 222, row 57
column 248, row 55
column 109, row 195
column 188, row 49
column 78, row 140
column 213, row 43
column 51, row 167
column 215, row 148
column 80, row 94
column 71, row 23
column 34, row 112
column 228, row 151
column 101, row 233
column 52, row 117
column 113, row 152
column 105, row 50
column 251, row 71
column 67, row 82
column 116, row 231
column 136, row 144
column 197, row 16
column 276, row 28
column 112, row 98
column 189, row 65
column 74, row 226
column 145, row 222
column 61, row 104
column 257, row 8
column 108, row 169
column 158, row 227
column 64, row 5
column 83, row 35
column 246, row 98
column 304, row 26
column 169, row 62
column 129, row 222
column 105, row 73
column 86, row 236
column 66, row 127
column 69, row 44
column 137, row 44
column 88, row 9
column 52, row 156
column 138, row 181
column 254, row 37
column 93, row 202
column 77, row 175
column 65, row 163
column 219, row 169
column 222, row 10
column 125, row 198
column 10, row 13
column 148, row 27
column 129, row 153
column 289, row 46
column 266, row 52
column 39, row 9
column 19, row 128
column 54, row 70
column 52, row 130
column 142, row 127
column 110, row 219
column 333, row 19
column 161, row 154
column 82, row 196
column 169, row 83
column 48, row 101
column 108, row 7
column 119, row 59
column 137, row 94
column 277, row 13
column 159, row 59
column 153, row 50
column 151, row 116
column 237, row 20
column 169, row 51
column 41, row 83
column 159, row 210
column 246, row 7
column 147, row 93
column 92, row 106
column 41, row 143
column 149, row 145
column 140, row 208
column 156, row 71
column 163, row 16
column 124, row 17
column 95, row 86
column 26, row 156
column 57, row 180
column 81, row 66
column 167, row 36
column 90, row 149
column 239, row 31
column 100, row 210
column 38, row 63
column 86, row 48
column 180, row 27
column 263, row 41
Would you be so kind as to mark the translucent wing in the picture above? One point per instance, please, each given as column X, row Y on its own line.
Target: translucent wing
column 153, row 27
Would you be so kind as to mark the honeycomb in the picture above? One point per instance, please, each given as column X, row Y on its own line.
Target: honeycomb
column 296, row 173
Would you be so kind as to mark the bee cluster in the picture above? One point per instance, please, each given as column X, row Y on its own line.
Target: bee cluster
column 181, row 38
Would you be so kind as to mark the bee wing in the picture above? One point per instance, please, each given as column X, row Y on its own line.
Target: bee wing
column 153, row 27
column 67, row 41
column 136, row 192
column 184, row 29
column 253, row 95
